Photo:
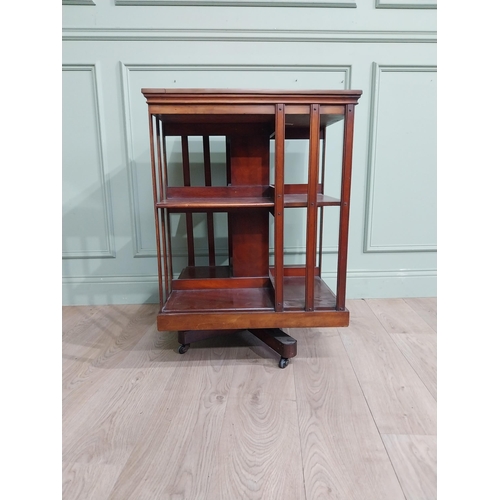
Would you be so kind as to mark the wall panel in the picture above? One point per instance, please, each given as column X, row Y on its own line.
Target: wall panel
column 87, row 219
column 113, row 49
column 401, row 199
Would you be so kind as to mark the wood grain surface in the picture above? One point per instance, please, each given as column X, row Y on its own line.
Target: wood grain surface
column 399, row 401
column 421, row 352
column 352, row 416
column 414, row 459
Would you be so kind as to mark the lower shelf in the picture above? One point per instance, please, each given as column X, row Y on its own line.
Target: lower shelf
column 250, row 307
column 218, row 300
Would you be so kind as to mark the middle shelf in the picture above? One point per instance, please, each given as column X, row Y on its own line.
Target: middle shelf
column 222, row 198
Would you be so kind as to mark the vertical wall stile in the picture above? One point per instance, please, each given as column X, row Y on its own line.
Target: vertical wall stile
column 344, row 205
column 156, row 199
column 210, row 215
column 189, row 215
column 279, row 189
column 312, row 205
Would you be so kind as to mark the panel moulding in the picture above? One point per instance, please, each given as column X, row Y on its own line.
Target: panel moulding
column 139, row 249
column 387, row 4
column 110, row 251
column 247, row 35
column 240, row 3
column 78, row 2
column 370, row 183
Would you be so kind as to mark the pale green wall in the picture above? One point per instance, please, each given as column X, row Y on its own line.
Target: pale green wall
column 387, row 48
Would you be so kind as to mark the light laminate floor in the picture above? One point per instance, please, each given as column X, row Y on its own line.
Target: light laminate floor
column 353, row 416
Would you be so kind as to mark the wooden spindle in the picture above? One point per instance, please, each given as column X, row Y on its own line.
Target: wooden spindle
column 210, row 215
column 156, row 199
column 322, row 209
column 312, row 205
column 279, row 205
column 345, row 196
column 189, row 215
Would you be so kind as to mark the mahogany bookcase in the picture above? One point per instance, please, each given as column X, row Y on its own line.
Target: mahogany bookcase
column 251, row 292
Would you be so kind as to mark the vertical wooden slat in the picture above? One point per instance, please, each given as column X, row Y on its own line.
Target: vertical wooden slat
column 170, row 265
column 321, row 210
column 156, row 199
column 165, row 221
column 189, row 215
column 312, row 205
column 210, row 215
column 279, row 184
column 345, row 196
column 229, row 215
column 159, row 141
column 162, row 174
column 165, row 165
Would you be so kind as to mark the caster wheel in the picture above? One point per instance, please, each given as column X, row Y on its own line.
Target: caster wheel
column 283, row 362
column 183, row 348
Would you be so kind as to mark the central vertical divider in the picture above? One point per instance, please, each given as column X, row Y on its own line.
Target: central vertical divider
column 279, row 205
column 249, row 229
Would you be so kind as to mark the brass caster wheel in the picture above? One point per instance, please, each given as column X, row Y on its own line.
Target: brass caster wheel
column 183, row 348
column 283, row 362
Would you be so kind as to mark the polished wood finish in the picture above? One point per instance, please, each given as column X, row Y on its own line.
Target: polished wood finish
column 312, row 208
column 189, row 215
column 277, row 340
column 279, row 206
column 345, row 197
column 249, row 293
column 210, row 216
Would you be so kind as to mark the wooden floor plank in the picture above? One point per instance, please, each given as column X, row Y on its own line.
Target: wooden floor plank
column 103, row 342
column 343, row 453
column 104, row 418
column 421, row 352
column 414, row 459
column 176, row 455
column 398, row 317
column 74, row 316
column 260, row 446
column 426, row 307
column 398, row 399
column 223, row 421
column 89, row 482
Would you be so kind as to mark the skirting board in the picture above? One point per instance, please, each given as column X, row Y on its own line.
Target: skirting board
column 101, row 290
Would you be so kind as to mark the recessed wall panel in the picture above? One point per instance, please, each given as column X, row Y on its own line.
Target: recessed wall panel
column 401, row 196
column 136, row 77
column 86, row 213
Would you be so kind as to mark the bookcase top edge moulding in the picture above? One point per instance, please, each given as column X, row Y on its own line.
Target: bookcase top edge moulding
column 251, row 292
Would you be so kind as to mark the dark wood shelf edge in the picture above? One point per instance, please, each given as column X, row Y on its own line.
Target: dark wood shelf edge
column 251, row 319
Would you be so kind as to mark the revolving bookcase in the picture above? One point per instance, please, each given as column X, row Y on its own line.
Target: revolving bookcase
column 251, row 292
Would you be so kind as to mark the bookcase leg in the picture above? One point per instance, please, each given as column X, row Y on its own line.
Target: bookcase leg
column 278, row 341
